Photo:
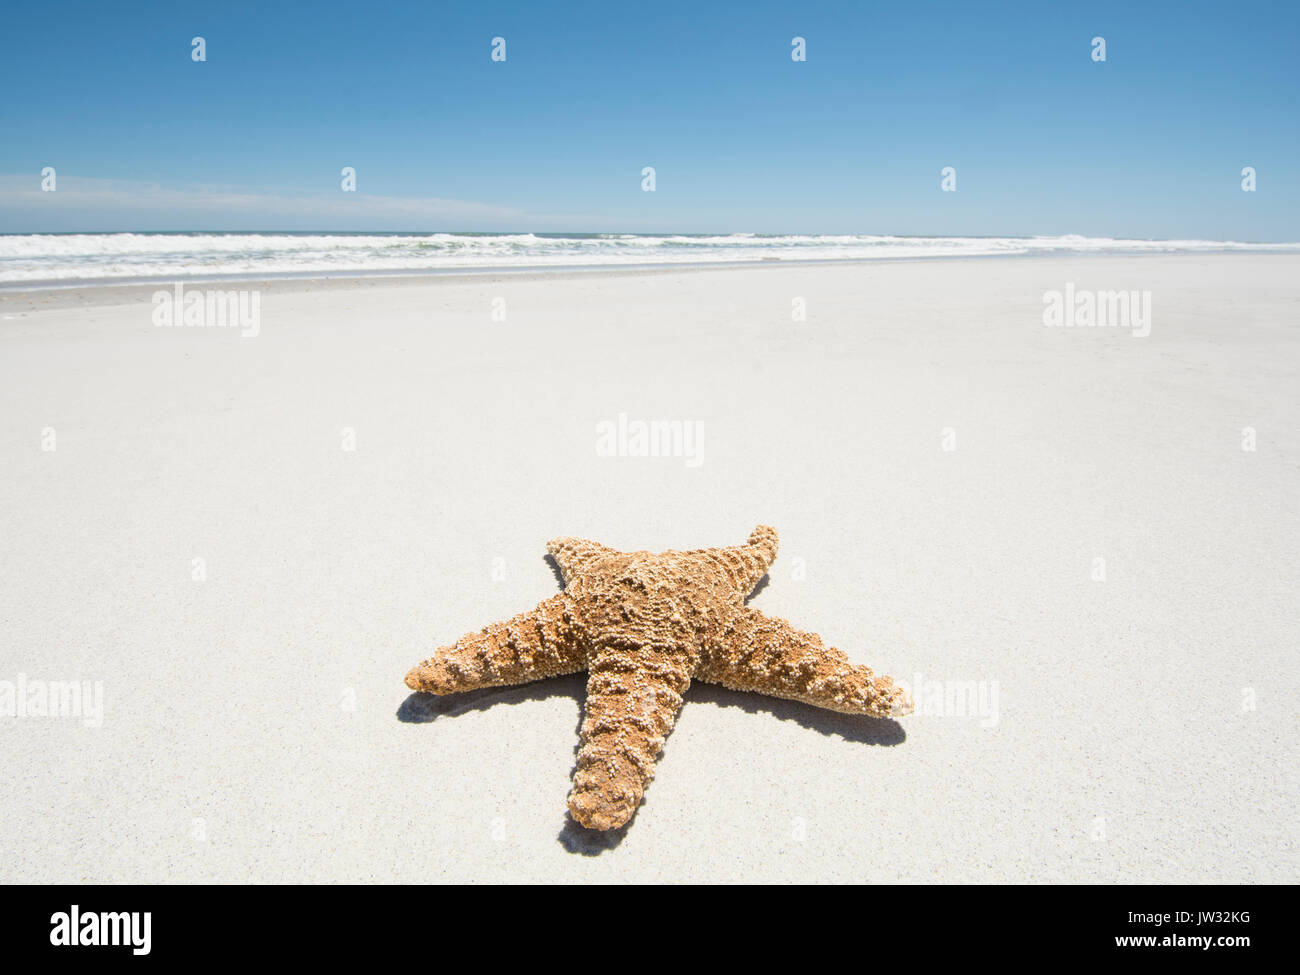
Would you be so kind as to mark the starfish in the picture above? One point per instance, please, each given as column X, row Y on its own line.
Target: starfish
column 643, row 626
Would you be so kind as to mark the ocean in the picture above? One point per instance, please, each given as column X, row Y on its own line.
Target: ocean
column 31, row 259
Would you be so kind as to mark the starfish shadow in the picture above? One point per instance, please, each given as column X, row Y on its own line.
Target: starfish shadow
column 860, row 728
column 555, row 570
column 759, row 587
column 421, row 708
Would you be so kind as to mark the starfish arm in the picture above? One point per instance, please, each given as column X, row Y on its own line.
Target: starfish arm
column 633, row 697
column 746, row 564
column 754, row 652
column 528, row 647
column 572, row 555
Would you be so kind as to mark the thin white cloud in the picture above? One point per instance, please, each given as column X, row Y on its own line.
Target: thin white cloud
column 80, row 202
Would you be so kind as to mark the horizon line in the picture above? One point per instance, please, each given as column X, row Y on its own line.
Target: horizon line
column 619, row 233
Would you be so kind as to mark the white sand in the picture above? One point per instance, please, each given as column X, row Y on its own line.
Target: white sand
column 1124, row 749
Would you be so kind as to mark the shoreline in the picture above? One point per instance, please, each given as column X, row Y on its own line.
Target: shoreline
column 100, row 291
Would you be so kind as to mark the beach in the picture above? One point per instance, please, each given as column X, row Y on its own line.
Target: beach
column 1076, row 542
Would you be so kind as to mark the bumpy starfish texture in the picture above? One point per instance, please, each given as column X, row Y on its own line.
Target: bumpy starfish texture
column 644, row 626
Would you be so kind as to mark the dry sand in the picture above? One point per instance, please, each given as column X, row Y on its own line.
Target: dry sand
column 255, row 726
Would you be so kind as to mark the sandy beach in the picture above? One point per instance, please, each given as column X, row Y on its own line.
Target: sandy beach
column 1078, row 546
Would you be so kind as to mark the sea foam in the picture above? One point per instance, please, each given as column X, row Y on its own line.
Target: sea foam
column 75, row 257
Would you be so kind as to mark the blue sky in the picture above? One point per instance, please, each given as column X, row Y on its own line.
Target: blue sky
column 1150, row 143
